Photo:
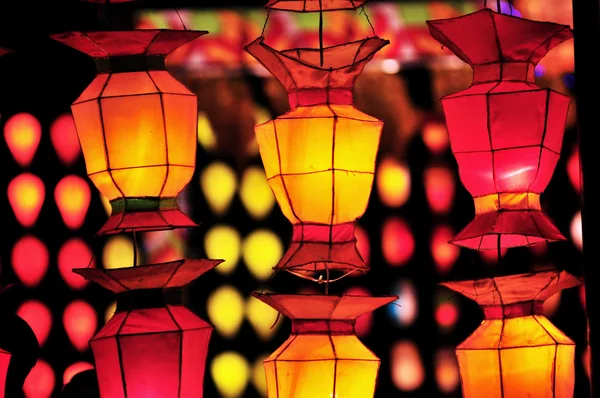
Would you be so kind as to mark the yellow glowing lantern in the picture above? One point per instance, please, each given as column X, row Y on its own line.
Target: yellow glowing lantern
column 319, row 157
column 137, row 126
column 322, row 357
column 517, row 351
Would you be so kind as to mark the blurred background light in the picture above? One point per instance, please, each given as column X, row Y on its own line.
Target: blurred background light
column 64, row 139
column 408, row 372
column 264, row 319
column 405, row 309
column 397, row 241
column 40, row 381
column 447, row 375
column 74, row 369
column 255, row 193
column 26, row 194
column 231, row 373
column 74, row 253
column 444, row 254
column 38, row 317
column 118, row 253
column 393, row 182
column 223, row 242
column 262, row 250
column 22, row 133
column 72, row 196
column 30, row 260
column 225, row 308
column 80, row 322
column 219, row 184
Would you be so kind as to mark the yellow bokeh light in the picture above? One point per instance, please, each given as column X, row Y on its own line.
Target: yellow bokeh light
column 219, row 183
column 393, row 182
column 262, row 318
column 110, row 311
column 262, row 250
column 258, row 375
column 256, row 194
column 106, row 204
column 206, row 134
column 230, row 372
column 226, row 310
column 118, row 253
column 224, row 242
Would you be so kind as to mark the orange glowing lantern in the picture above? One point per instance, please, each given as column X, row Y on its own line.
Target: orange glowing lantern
column 320, row 156
column 516, row 352
column 153, row 346
column 322, row 357
column 505, row 132
column 137, row 126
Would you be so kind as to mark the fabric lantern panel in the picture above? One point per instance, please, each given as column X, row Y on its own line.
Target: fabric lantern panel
column 314, row 5
column 4, row 363
column 517, row 351
column 506, row 132
column 320, row 156
column 153, row 347
column 322, row 357
column 137, row 126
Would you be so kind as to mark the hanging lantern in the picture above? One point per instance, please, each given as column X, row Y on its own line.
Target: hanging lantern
column 314, row 5
column 516, row 352
column 322, row 357
column 319, row 157
column 505, row 131
column 153, row 346
column 137, row 126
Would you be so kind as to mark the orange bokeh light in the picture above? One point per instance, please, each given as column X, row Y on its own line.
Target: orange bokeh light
column 446, row 371
column 408, row 372
column 22, row 133
column 398, row 243
column 80, row 322
column 393, row 182
column 26, row 196
column 30, row 260
column 64, row 139
column 435, row 137
column 72, row 196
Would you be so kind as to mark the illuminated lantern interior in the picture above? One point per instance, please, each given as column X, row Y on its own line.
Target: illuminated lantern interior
column 505, row 132
column 153, row 346
column 319, row 157
column 517, row 351
column 137, row 126
column 322, row 357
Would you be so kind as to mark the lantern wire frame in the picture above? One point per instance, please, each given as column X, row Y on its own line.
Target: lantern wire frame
column 322, row 106
column 142, row 187
column 508, row 212
column 516, row 350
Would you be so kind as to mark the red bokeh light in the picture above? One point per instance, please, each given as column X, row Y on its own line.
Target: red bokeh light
column 446, row 314
column 435, row 137
column 573, row 170
column 80, row 322
column 444, row 254
column 40, row 382
column 75, row 368
column 64, row 139
column 38, row 317
column 439, row 188
column 30, row 260
column 74, row 253
column 398, row 243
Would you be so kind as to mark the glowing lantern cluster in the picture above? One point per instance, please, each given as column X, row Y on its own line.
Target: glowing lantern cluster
column 319, row 157
column 516, row 352
column 505, row 132
column 137, row 126
column 319, row 161
column 323, row 356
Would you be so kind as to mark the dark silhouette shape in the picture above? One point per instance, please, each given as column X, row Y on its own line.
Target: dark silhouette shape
column 82, row 385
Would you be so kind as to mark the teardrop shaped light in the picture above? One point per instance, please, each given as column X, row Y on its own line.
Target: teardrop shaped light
column 22, row 133
column 30, row 260
column 38, row 317
column 219, row 183
column 262, row 318
column 72, row 196
column 64, row 139
column 26, row 194
column 262, row 250
column 226, row 310
column 80, row 322
column 256, row 195
column 40, row 381
column 74, row 253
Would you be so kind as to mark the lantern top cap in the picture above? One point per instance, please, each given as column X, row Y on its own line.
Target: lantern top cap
column 172, row 274
column 485, row 37
column 314, row 5
column 511, row 289
column 298, row 69
column 148, row 42
column 323, row 307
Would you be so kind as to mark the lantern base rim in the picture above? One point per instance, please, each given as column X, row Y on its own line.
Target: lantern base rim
column 145, row 221
column 507, row 228
column 309, row 257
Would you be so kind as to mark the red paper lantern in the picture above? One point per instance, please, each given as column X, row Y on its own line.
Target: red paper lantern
column 320, row 156
column 137, row 126
column 322, row 357
column 505, row 131
column 153, row 347
column 517, row 351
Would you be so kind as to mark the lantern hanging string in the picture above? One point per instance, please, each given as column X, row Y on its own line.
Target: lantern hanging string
column 180, row 19
column 362, row 11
